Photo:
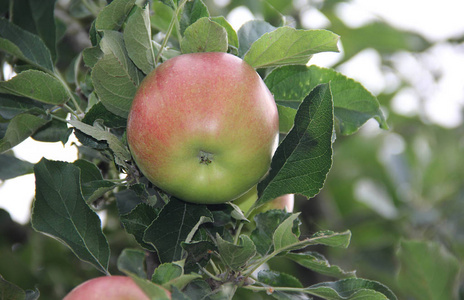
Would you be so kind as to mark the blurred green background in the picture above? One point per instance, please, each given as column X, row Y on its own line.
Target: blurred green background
column 400, row 192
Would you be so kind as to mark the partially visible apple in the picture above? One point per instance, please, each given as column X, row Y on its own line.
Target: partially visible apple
column 203, row 127
column 108, row 288
column 246, row 201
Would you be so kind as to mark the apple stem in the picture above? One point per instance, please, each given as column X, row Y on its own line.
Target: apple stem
column 174, row 20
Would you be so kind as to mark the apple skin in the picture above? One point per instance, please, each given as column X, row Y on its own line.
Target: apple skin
column 108, row 287
column 246, row 201
column 203, row 126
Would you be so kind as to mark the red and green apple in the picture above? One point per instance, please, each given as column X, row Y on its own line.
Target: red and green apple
column 108, row 288
column 203, row 127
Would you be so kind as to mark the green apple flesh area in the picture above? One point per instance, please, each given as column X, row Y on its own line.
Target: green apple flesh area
column 107, row 287
column 203, row 127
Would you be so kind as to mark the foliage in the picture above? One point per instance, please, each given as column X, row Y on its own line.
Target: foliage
column 210, row 252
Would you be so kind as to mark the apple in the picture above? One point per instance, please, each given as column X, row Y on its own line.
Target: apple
column 108, row 287
column 247, row 200
column 203, row 126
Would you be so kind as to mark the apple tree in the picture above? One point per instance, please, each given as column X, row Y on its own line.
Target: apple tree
column 173, row 248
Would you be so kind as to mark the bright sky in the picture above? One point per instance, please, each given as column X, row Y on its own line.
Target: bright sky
column 443, row 99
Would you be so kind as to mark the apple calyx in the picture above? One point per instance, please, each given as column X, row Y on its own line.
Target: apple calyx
column 205, row 157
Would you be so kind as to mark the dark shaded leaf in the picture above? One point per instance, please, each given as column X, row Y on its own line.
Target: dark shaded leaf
column 266, row 224
column 173, row 226
column 60, row 211
column 12, row 167
column 236, row 256
column 44, row 20
column 274, row 278
column 137, row 221
column 303, row 159
column 132, row 261
column 11, row 105
column 198, row 252
column 53, row 131
column 10, row 291
column 20, row 128
column 99, row 112
column 24, row 45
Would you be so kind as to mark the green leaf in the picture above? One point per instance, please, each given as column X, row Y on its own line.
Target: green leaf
column 266, row 224
column 171, row 275
column 11, row 105
column 13, row 167
column 92, row 55
column 153, row 291
column 89, row 171
column 318, row 263
column 44, row 20
column 303, row 159
column 100, row 113
column 199, row 252
column 92, row 184
column 204, row 35
column 113, row 15
column 137, row 221
column 115, row 76
column 166, row 272
column 326, row 238
column 192, row 12
column 250, row 32
column 161, row 17
column 351, row 289
column 286, row 118
column 283, row 235
column 10, row 291
column 173, row 226
column 36, row 85
column 20, row 128
column 53, row 131
column 120, row 151
column 427, row 271
column 128, row 199
column 353, row 104
column 232, row 38
column 171, row 3
column 32, row 294
column 289, row 46
column 132, row 261
column 59, row 210
column 236, row 256
column 138, row 41
column 176, row 294
column 285, row 239
column 24, row 45
column 273, row 278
